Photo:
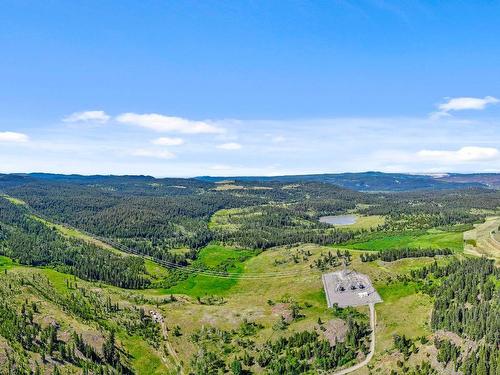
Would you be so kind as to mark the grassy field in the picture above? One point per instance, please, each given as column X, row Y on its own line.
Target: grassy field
column 75, row 233
column 213, row 257
column 142, row 358
column 483, row 241
column 404, row 311
column 429, row 239
column 222, row 218
column 365, row 222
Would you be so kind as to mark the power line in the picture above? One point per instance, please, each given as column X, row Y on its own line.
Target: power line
column 169, row 264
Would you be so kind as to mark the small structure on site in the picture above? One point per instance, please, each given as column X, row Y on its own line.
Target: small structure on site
column 349, row 288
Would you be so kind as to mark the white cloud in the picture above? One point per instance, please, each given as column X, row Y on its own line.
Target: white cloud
column 13, row 137
column 157, row 154
column 361, row 144
column 88, row 116
column 229, row 146
column 463, row 103
column 464, row 154
column 166, row 141
column 161, row 123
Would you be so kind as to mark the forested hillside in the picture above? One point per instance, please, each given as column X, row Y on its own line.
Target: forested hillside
column 466, row 302
column 155, row 216
column 172, row 219
column 31, row 242
column 239, row 286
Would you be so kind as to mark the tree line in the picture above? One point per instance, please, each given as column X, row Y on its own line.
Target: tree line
column 391, row 255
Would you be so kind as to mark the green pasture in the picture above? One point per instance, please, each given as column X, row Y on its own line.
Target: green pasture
column 430, row 239
column 213, row 258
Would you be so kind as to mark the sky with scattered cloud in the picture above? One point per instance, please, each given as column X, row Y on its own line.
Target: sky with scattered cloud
column 348, row 88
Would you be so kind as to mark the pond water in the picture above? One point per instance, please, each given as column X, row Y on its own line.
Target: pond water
column 339, row 219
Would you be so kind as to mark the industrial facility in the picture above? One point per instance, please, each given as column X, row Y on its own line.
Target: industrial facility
column 349, row 288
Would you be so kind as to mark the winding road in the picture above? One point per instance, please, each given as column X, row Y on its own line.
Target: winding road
column 171, row 350
column 372, row 346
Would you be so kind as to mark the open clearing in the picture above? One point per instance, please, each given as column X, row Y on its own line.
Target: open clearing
column 365, row 222
column 482, row 241
column 13, row 200
column 429, row 239
column 212, row 257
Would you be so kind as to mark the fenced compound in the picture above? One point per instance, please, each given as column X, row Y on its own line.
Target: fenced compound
column 349, row 288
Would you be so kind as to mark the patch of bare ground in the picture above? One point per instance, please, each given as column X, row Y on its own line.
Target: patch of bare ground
column 261, row 188
column 95, row 339
column 215, row 316
column 335, row 331
column 239, row 187
column 45, row 321
column 284, row 310
column 427, row 352
column 209, row 318
column 229, row 187
column 4, row 347
column 291, row 186
column 64, row 336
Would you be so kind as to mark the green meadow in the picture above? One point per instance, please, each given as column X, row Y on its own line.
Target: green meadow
column 213, row 258
column 429, row 239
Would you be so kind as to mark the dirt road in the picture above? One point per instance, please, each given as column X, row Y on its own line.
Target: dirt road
column 372, row 346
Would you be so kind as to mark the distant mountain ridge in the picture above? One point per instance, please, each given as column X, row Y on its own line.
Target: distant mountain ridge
column 491, row 180
column 379, row 181
column 364, row 181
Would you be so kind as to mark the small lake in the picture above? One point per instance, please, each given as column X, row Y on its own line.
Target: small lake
column 339, row 219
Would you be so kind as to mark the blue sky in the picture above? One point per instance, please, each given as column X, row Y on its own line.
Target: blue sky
column 183, row 88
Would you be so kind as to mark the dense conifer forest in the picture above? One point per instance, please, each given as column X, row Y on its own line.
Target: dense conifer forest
column 33, row 243
column 466, row 302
